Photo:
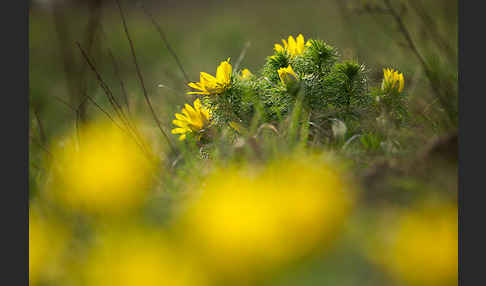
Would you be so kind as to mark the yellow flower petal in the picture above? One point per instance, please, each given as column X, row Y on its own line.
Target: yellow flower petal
column 205, row 77
column 184, row 111
column 278, row 48
column 178, row 130
column 287, row 75
column 180, row 123
column 286, row 45
column 199, row 92
column 197, row 104
column 196, row 85
column 180, row 116
column 246, row 73
column 190, row 109
column 223, row 73
column 300, row 44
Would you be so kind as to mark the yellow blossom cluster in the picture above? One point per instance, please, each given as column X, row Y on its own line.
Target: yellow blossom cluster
column 192, row 120
column 392, row 81
column 293, row 46
column 209, row 84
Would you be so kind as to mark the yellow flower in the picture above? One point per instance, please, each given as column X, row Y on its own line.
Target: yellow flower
column 250, row 219
column 47, row 241
column 420, row 248
column 246, row 74
column 191, row 120
column 209, row 84
column 107, row 172
column 392, row 81
column 292, row 46
column 287, row 75
column 139, row 257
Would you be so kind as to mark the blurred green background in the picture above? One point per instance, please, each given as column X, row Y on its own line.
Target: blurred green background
column 203, row 33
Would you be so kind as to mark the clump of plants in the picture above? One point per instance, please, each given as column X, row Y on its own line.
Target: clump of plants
column 305, row 82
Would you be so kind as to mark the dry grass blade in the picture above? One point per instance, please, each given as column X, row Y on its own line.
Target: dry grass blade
column 104, row 86
column 267, row 126
column 122, row 84
column 406, row 34
column 116, row 106
column 42, row 133
column 140, row 77
column 166, row 42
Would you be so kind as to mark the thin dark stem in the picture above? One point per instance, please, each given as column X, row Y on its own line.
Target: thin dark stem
column 140, row 77
column 41, row 126
column 116, row 106
column 140, row 145
column 166, row 42
column 103, row 110
column 406, row 34
column 432, row 28
column 41, row 146
column 77, row 127
column 125, row 95
column 90, row 36
column 116, row 70
column 65, row 103
column 117, row 75
column 104, row 86
column 347, row 21
column 66, row 52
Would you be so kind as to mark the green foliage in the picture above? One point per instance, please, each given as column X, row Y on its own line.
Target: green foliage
column 318, row 58
column 329, row 88
column 392, row 105
column 370, row 141
column 273, row 63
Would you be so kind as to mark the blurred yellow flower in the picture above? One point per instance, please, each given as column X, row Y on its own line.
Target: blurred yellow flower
column 392, row 81
column 420, row 248
column 255, row 220
column 131, row 257
column 192, row 120
column 209, row 84
column 292, row 46
column 106, row 172
column 47, row 241
column 287, row 75
column 246, row 74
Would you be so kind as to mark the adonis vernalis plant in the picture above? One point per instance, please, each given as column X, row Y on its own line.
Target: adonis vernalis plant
column 300, row 75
